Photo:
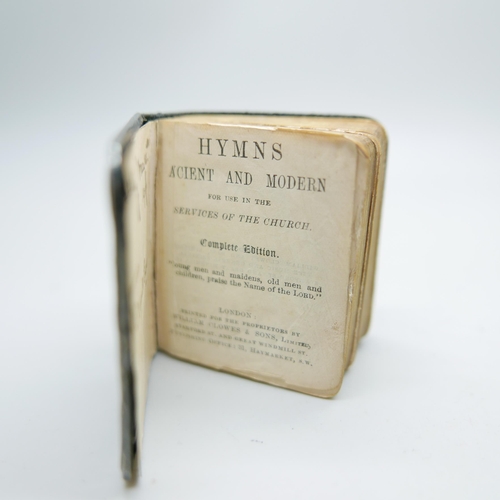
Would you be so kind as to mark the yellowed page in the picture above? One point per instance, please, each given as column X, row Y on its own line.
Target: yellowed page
column 254, row 250
column 363, row 130
column 379, row 139
column 362, row 204
column 139, row 174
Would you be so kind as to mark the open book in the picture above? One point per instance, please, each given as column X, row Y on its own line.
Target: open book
column 245, row 243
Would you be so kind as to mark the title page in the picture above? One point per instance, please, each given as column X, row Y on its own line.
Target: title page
column 253, row 250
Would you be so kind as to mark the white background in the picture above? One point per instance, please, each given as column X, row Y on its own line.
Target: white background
column 418, row 415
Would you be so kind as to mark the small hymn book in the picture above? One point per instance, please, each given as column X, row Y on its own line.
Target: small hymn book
column 245, row 243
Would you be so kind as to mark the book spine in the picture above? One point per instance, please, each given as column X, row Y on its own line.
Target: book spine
column 129, row 428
